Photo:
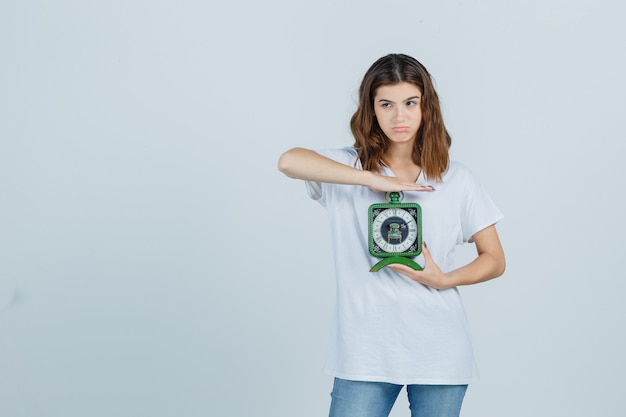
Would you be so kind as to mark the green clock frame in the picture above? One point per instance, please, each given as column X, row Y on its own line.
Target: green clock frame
column 395, row 232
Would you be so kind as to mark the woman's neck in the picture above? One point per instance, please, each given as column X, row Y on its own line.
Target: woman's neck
column 400, row 160
column 400, row 154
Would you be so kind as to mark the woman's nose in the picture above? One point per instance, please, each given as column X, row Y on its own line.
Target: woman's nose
column 400, row 114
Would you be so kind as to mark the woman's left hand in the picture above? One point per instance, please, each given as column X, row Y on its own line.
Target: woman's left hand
column 431, row 275
column 489, row 263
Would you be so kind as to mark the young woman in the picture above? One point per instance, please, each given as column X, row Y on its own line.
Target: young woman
column 400, row 326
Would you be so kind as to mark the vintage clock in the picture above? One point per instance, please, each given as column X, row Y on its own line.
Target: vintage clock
column 395, row 232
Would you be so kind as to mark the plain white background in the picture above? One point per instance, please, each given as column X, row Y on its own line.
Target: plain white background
column 154, row 262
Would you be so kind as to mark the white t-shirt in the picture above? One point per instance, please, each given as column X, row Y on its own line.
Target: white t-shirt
column 387, row 327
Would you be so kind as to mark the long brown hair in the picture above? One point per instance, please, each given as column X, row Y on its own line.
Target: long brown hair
column 432, row 142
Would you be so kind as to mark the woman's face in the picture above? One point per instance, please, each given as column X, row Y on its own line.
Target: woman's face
column 398, row 111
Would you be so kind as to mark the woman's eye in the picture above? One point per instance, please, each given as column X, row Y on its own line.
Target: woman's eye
column 411, row 103
column 386, row 105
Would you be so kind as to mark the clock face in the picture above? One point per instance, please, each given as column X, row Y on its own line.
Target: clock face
column 395, row 230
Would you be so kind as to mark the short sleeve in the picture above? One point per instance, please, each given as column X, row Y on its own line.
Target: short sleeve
column 479, row 210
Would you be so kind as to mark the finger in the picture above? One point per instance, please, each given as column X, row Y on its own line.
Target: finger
column 427, row 257
column 395, row 267
column 419, row 187
column 427, row 187
column 403, row 269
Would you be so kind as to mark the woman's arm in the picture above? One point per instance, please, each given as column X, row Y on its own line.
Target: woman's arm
column 489, row 263
column 308, row 165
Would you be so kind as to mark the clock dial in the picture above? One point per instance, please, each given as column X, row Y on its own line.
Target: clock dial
column 395, row 230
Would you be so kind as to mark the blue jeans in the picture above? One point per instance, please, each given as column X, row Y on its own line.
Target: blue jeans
column 375, row 399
